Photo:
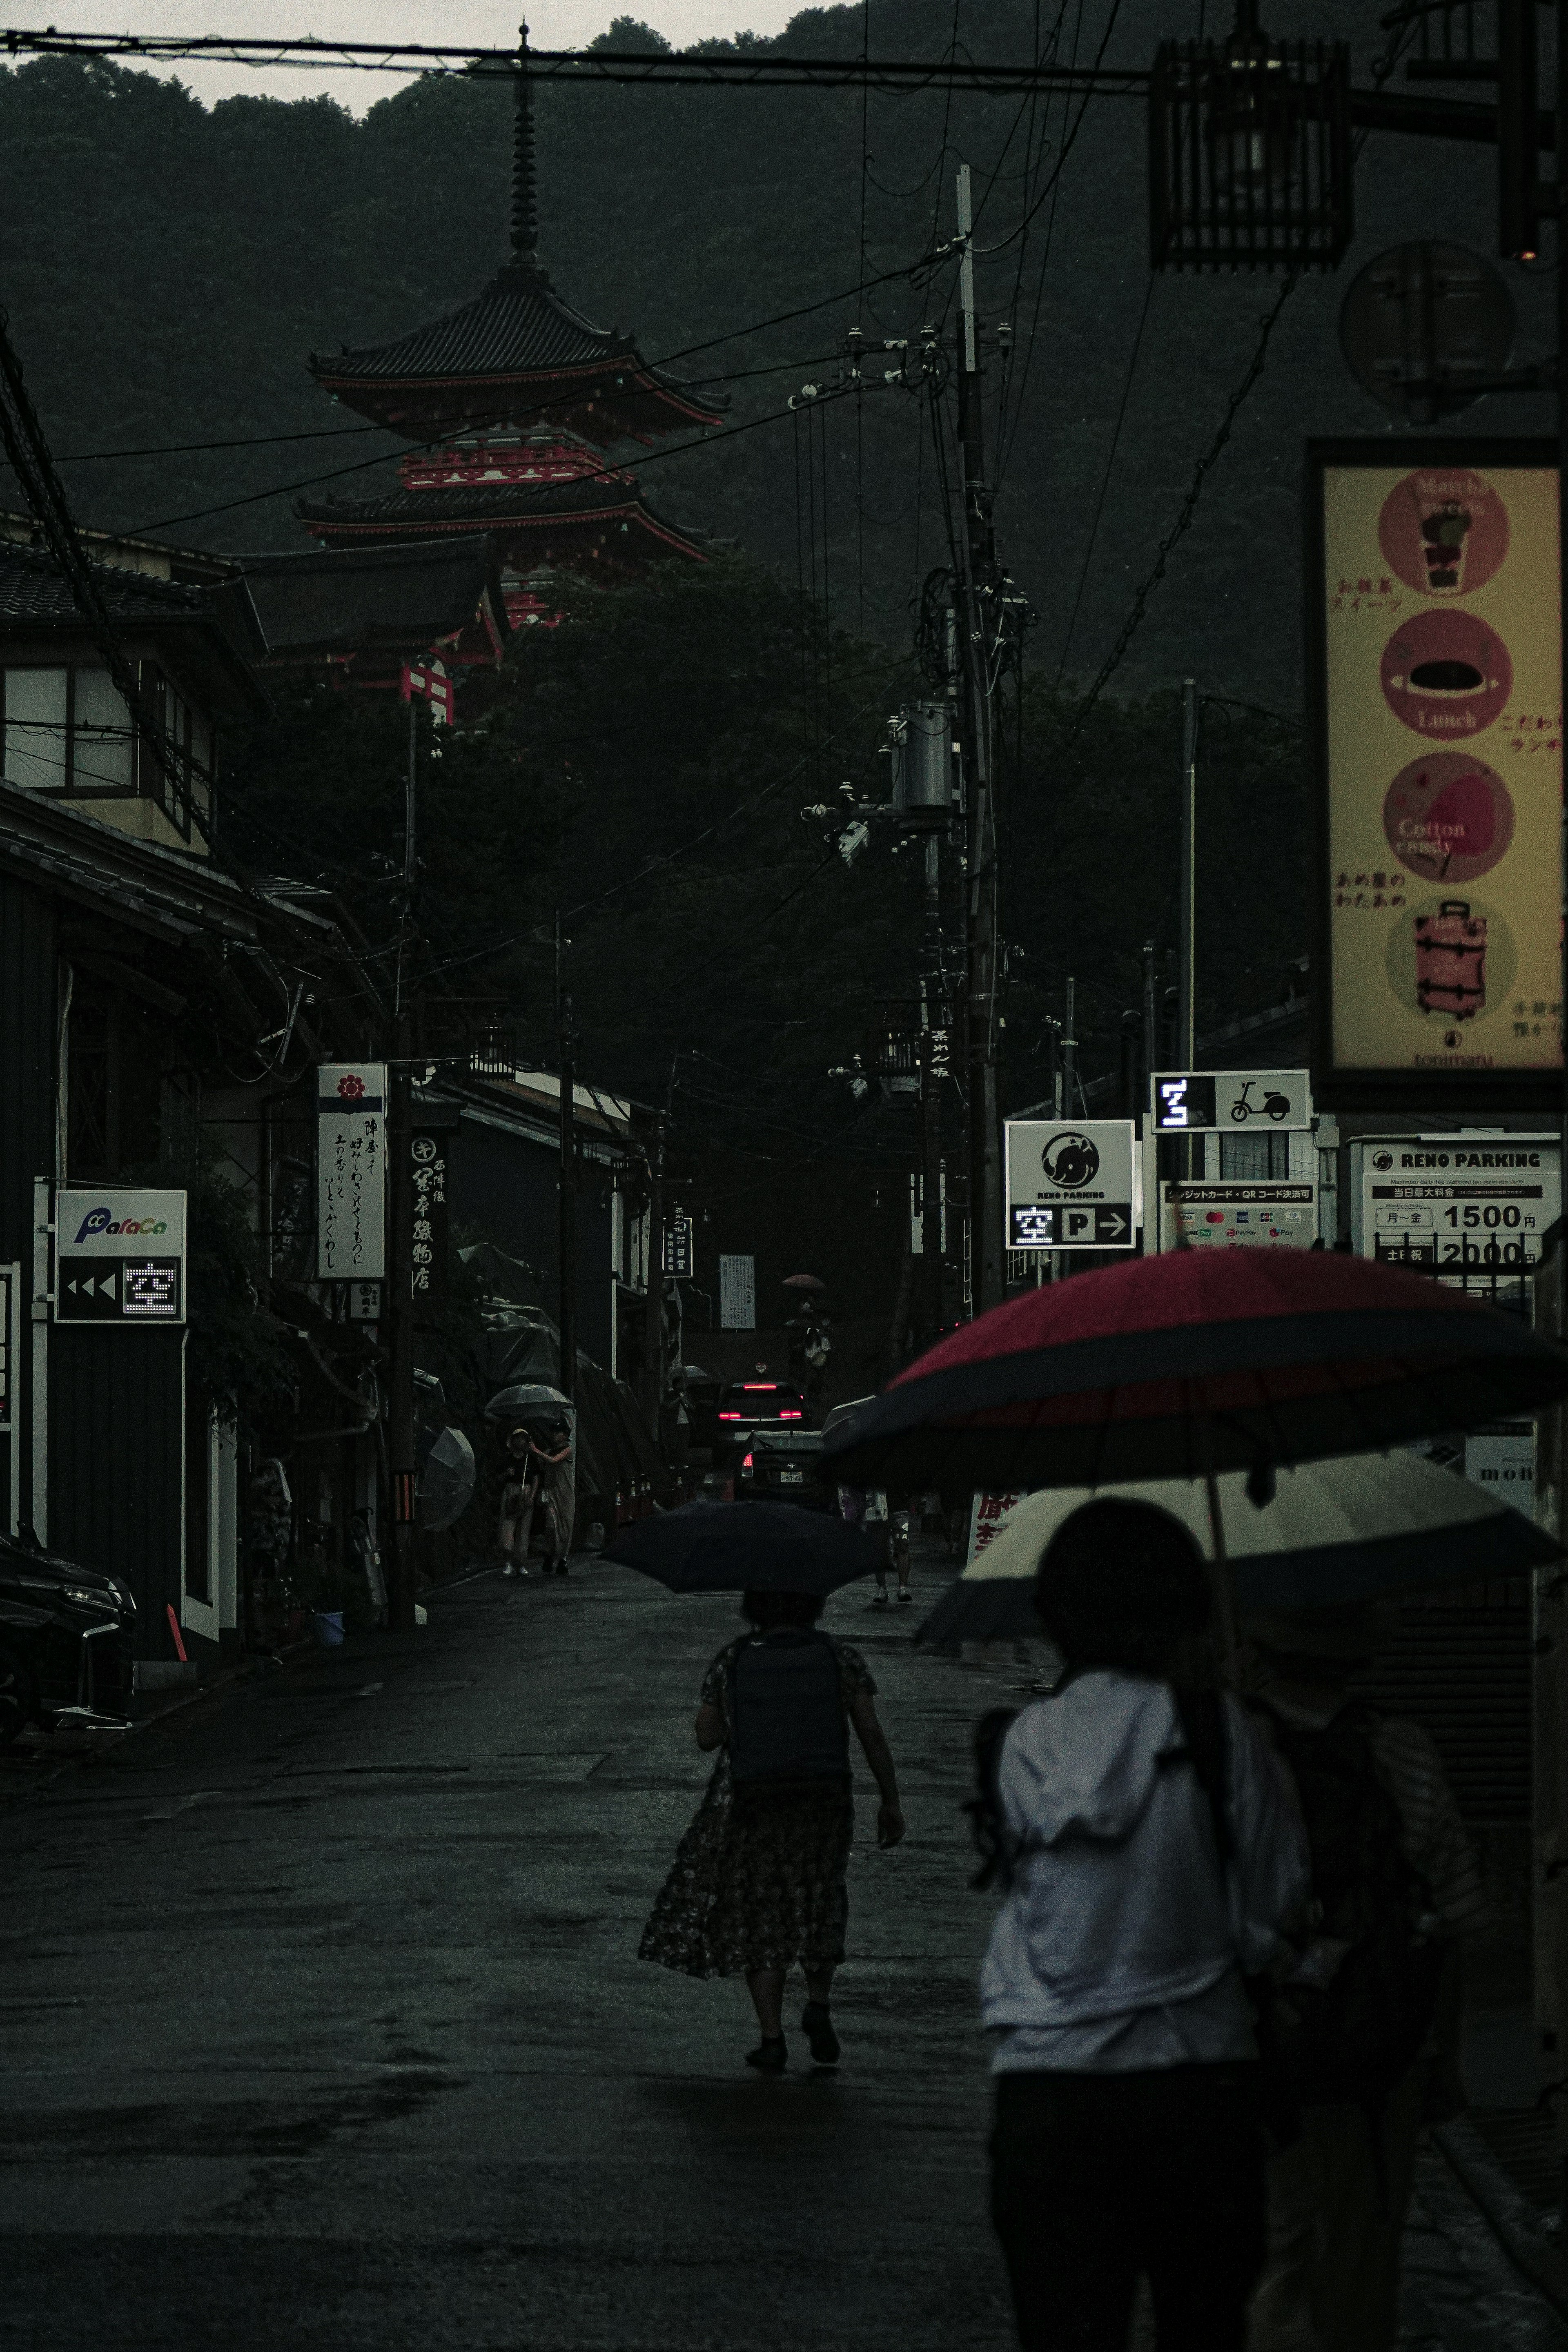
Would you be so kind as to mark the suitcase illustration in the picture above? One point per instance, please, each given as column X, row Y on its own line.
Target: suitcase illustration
column 1451, row 961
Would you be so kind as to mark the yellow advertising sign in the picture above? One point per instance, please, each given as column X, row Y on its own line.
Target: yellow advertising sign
column 1441, row 735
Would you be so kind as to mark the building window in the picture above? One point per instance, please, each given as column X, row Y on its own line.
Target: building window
column 1255, row 1159
column 66, row 729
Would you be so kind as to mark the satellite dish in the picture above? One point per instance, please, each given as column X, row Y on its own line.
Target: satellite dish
column 1425, row 324
column 446, row 1480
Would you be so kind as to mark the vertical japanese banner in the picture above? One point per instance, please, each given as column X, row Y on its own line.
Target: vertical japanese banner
column 737, row 1293
column 1440, row 742
column 988, row 1517
column 432, row 1230
column 351, row 1171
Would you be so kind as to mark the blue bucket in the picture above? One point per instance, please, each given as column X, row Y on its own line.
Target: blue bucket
column 328, row 1624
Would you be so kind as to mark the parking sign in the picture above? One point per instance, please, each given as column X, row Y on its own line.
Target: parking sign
column 1069, row 1186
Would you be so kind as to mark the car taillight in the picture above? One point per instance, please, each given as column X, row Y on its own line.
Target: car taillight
column 791, row 1416
column 746, row 1465
column 729, row 1416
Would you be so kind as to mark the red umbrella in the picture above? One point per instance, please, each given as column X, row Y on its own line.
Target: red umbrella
column 803, row 1282
column 1193, row 1362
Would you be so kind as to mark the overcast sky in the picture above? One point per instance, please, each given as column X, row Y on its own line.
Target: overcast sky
column 488, row 24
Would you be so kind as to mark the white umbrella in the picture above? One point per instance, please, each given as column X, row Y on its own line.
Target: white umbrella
column 1347, row 1530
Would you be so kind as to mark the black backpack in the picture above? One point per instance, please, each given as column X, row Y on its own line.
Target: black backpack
column 788, row 1712
column 1356, row 2034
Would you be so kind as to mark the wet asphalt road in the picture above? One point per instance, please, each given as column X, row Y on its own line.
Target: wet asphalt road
column 323, row 2024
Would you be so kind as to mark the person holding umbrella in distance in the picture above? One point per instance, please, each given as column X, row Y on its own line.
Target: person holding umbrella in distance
column 758, row 1885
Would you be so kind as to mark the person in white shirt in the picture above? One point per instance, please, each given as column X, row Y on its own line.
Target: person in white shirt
column 1127, row 2135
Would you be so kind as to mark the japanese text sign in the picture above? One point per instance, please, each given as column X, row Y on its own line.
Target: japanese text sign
column 351, row 1171
column 737, row 1293
column 431, row 1229
column 120, row 1256
column 1239, row 1216
column 988, row 1517
column 1459, row 1204
column 1070, row 1187
column 1435, row 612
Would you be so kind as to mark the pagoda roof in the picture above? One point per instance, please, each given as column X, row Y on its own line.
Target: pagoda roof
column 316, row 603
column 517, row 351
column 503, row 507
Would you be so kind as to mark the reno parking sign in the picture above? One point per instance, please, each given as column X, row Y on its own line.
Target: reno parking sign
column 120, row 1256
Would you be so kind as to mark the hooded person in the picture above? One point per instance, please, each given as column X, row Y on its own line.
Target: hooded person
column 1152, row 1866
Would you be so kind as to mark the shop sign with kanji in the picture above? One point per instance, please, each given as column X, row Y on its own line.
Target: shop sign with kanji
column 351, row 1171
column 431, row 1232
column 988, row 1517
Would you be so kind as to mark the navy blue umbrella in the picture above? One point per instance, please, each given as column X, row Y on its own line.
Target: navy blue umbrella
column 745, row 1548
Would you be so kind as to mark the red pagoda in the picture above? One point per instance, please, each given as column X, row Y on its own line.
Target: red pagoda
column 513, row 401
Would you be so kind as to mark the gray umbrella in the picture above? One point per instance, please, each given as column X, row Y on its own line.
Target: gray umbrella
column 446, row 1480
column 527, row 1400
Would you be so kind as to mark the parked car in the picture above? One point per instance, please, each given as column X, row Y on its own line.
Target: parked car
column 65, row 1642
column 786, row 1466
column 747, row 1406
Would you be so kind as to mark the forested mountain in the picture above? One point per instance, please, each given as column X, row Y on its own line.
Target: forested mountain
column 168, row 268
column 196, row 257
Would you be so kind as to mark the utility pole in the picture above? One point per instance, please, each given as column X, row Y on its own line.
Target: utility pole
column 1186, row 1044
column 567, row 1311
column 933, row 1059
column 1069, row 1050
column 979, row 566
column 653, row 1348
column 1186, row 975
column 403, row 1458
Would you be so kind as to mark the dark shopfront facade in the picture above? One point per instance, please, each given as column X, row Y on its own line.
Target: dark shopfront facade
column 138, row 983
column 96, row 1452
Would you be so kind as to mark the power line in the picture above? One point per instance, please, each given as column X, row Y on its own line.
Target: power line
column 1105, row 477
column 591, row 474
column 754, row 69
column 345, row 432
column 1188, row 509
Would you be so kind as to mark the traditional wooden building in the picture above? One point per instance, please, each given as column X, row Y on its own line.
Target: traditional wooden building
column 358, row 613
column 513, row 403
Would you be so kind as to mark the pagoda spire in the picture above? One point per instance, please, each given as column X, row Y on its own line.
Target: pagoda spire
column 524, row 189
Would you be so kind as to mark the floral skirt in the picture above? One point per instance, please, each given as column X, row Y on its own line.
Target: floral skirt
column 758, row 1881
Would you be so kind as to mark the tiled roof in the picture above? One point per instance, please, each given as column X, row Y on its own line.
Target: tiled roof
column 362, row 595
column 518, row 327
column 497, row 506
column 34, row 589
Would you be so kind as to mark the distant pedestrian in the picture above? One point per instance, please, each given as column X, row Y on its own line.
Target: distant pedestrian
column 867, row 1507
column 540, row 1478
column 1367, row 2026
column 551, row 1458
column 758, row 1882
column 520, row 1492
column 1128, row 2135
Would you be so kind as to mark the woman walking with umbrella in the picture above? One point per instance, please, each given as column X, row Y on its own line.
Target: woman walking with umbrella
column 758, row 1885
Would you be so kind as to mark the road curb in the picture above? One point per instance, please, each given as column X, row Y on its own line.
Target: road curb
column 1512, row 2217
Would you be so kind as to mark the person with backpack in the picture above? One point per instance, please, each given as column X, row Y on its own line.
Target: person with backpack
column 1356, row 2033
column 759, row 1881
column 1151, row 1858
